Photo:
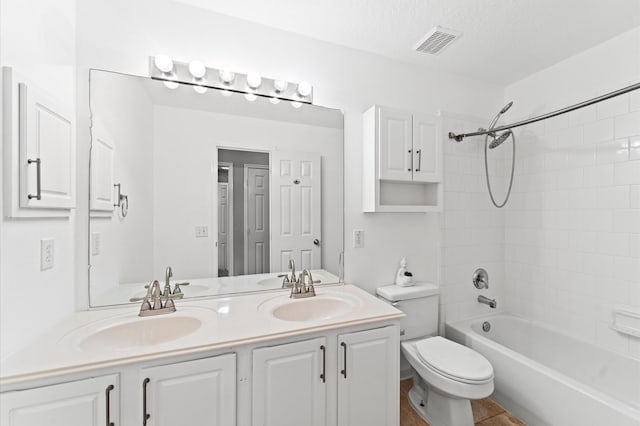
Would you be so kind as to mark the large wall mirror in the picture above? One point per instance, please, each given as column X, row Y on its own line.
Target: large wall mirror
column 223, row 189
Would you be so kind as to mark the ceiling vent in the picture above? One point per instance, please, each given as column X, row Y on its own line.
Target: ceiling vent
column 437, row 39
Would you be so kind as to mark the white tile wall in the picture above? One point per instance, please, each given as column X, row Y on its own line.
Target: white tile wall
column 572, row 229
column 472, row 229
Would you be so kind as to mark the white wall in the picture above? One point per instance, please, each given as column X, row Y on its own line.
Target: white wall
column 37, row 38
column 572, row 230
column 120, row 35
column 185, row 149
column 123, row 116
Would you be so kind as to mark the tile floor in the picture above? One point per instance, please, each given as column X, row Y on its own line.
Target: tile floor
column 485, row 412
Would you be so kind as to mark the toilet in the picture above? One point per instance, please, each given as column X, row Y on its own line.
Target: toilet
column 446, row 375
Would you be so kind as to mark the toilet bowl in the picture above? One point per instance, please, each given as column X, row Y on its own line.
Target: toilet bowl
column 446, row 375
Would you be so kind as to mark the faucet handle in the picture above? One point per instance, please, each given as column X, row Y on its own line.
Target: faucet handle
column 155, row 294
column 177, row 291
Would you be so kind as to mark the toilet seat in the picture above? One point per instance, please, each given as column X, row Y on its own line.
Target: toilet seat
column 454, row 361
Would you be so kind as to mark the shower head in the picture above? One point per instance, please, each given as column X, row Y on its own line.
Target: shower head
column 506, row 107
column 496, row 142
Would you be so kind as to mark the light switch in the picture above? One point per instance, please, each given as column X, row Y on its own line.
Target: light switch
column 202, row 231
column 46, row 254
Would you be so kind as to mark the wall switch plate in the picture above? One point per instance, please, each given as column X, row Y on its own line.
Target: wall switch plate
column 358, row 238
column 95, row 243
column 46, row 254
column 202, row 231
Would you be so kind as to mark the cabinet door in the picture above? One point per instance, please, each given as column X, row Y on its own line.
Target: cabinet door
column 394, row 144
column 89, row 402
column 369, row 377
column 47, row 151
column 427, row 153
column 194, row 393
column 289, row 384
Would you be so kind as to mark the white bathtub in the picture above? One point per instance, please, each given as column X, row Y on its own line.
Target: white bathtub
column 546, row 377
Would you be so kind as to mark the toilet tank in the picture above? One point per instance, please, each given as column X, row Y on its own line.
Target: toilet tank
column 420, row 305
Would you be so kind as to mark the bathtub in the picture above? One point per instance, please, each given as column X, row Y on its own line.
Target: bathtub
column 546, row 377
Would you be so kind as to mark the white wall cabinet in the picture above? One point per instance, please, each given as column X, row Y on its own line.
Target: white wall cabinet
column 289, row 384
column 402, row 161
column 89, row 402
column 194, row 393
column 39, row 139
column 368, row 391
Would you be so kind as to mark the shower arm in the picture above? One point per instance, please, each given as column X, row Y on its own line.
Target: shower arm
column 461, row 136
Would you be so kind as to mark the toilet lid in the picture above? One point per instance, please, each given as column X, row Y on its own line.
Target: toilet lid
column 454, row 360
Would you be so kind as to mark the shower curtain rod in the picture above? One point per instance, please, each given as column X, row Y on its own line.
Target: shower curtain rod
column 461, row 136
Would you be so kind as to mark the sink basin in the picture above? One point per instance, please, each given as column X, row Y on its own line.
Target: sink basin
column 270, row 282
column 321, row 307
column 131, row 331
column 317, row 308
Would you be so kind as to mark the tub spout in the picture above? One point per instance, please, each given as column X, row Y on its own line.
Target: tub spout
column 491, row 302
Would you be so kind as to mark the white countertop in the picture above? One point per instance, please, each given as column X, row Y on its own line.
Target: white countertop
column 226, row 322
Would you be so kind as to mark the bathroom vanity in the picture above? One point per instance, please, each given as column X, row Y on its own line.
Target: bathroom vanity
column 255, row 359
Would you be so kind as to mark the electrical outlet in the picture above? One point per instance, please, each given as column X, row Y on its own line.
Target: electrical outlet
column 46, row 254
column 95, row 243
column 202, row 231
column 358, row 238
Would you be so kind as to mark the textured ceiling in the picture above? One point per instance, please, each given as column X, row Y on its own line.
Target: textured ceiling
column 503, row 40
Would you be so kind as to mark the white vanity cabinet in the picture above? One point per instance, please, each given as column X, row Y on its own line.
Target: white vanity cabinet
column 88, row 402
column 402, row 161
column 369, row 377
column 289, row 384
column 304, row 383
column 194, row 393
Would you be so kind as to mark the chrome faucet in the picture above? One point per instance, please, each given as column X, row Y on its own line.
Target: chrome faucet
column 167, row 284
column 491, row 302
column 292, row 271
column 300, row 288
column 289, row 279
column 153, row 303
column 177, row 292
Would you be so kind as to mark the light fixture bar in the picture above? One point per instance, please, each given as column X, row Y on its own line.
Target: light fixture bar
column 253, row 84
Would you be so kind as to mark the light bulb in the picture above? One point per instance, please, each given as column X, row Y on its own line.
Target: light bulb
column 250, row 97
column 163, row 63
column 304, row 89
column 280, row 85
column 197, row 69
column 227, row 76
column 200, row 89
column 170, row 84
column 254, row 80
column 274, row 101
column 296, row 104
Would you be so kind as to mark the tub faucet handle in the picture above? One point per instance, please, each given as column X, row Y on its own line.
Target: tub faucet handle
column 481, row 279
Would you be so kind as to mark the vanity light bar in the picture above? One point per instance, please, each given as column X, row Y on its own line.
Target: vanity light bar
column 162, row 67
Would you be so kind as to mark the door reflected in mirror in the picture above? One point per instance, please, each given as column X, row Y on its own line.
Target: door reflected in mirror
column 223, row 190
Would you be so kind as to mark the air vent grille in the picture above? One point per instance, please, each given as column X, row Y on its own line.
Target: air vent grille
column 436, row 40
